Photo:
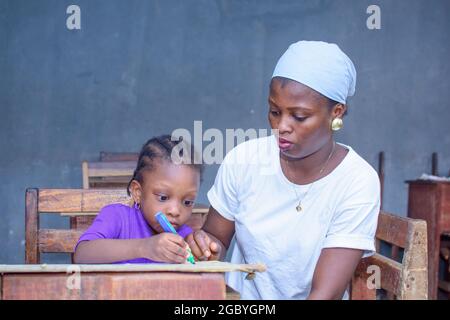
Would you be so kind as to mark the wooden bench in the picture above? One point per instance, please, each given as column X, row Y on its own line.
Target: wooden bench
column 405, row 280
column 81, row 206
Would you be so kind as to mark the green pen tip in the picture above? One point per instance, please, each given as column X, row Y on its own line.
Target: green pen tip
column 191, row 259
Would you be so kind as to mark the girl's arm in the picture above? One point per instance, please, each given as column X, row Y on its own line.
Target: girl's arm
column 333, row 273
column 107, row 250
column 165, row 247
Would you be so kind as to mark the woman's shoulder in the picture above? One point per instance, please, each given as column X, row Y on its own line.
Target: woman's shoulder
column 358, row 169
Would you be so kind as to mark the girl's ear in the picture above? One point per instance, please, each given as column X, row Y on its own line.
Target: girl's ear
column 136, row 191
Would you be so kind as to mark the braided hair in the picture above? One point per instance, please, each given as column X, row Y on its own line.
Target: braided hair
column 161, row 147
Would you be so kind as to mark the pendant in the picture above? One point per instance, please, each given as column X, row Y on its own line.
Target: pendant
column 299, row 207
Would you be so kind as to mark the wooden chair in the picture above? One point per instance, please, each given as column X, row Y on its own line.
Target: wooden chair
column 405, row 280
column 81, row 206
column 114, row 170
column 107, row 174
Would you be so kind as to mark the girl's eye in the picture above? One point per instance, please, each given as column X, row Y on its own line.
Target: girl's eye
column 188, row 203
column 162, row 197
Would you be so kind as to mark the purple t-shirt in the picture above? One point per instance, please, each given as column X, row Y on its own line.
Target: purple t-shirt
column 118, row 221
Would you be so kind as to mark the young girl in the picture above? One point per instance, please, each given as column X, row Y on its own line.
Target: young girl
column 127, row 234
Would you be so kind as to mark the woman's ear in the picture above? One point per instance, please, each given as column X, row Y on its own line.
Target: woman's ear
column 136, row 191
column 338, row 110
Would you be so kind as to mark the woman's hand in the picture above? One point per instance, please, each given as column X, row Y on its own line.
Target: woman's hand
column 203, row 247
column 164, row 247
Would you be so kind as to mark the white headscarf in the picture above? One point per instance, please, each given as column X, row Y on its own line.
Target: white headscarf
column 321, row 66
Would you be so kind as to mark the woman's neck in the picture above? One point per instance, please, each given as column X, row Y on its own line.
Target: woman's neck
column 308, row 169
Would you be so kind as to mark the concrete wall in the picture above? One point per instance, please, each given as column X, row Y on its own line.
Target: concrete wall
column 142, row 68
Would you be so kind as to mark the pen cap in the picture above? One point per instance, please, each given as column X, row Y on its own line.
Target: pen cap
column 164, row 222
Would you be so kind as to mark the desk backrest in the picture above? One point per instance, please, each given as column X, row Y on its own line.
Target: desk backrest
column 81, row 205
column 403, row 280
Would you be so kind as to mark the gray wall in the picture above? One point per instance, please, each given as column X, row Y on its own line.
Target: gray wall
column 142, row 68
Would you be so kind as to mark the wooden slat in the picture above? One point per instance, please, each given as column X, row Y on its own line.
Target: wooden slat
column 118, row 156
column 54, row 240
column 31, row 226
column 392, row 229
column 121, row 181
column 112, row 286
column 360, row 291
column 85, row 173
column 82, row 222
column 391, row 272
column 198, row 267
column 111, row 169
column 74, row 202
column 79, row 200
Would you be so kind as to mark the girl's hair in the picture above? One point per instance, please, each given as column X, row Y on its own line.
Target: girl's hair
column 161, row 147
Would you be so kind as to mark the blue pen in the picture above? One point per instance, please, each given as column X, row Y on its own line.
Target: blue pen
column 168, row 227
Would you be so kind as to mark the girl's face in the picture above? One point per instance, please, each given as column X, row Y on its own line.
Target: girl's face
column 301, row 116
column 169, row 188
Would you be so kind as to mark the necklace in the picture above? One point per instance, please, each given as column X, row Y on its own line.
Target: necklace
column 299, row 206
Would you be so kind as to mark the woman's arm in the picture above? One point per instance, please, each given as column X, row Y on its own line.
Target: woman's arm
column 213, row 240
column 333, row 273
column 165, row 247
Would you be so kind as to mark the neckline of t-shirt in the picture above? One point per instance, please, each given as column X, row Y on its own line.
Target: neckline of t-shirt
column 323, row 180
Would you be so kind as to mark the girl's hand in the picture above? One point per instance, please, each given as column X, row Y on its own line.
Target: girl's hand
column 164, row 247
column 203, row 247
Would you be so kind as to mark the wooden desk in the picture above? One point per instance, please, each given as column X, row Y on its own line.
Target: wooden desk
column 205, row 280
column 430, row 201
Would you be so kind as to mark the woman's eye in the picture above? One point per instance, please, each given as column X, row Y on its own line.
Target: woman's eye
column 274, row 113
column 162, row 197
column 188, row 203
column 298, row 118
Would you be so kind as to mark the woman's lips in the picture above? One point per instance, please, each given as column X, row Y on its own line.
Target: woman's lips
column 284, row 144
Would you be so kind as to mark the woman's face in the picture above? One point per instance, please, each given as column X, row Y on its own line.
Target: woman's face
column 302, row 117
column 168, row 188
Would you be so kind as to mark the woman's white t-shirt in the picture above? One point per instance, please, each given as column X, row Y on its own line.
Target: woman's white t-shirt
column 339, row 211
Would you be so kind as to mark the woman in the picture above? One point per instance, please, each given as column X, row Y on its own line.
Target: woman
column 297, row 201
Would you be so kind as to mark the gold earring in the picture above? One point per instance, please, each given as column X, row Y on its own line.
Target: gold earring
column 336, row 124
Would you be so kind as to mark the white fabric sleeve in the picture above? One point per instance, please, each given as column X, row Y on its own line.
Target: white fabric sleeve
column 223, row 195
column 355, row 222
